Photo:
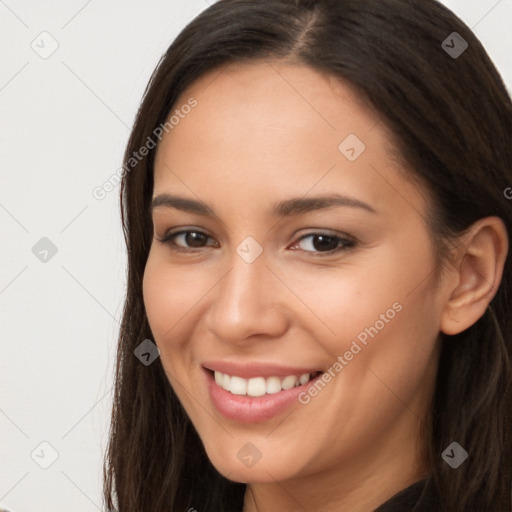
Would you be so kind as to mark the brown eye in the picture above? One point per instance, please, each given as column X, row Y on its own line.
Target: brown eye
column 194, row 238
column 186, row 240
column 324, row 243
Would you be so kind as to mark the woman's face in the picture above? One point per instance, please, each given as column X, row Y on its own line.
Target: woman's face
column 307, row 251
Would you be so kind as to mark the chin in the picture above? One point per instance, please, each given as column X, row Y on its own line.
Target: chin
column 241, row 468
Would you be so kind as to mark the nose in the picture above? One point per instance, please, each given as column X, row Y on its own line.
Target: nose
column 248, row 302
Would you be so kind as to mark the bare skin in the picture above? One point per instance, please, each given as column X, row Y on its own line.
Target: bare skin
column 260, row 134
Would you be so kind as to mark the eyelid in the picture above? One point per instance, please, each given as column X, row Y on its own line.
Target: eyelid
column 346, row 240
column 170, row 235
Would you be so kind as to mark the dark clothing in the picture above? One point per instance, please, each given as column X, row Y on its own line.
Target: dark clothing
column 418, row 497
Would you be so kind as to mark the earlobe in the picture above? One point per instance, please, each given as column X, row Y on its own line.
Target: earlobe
column 479, row 271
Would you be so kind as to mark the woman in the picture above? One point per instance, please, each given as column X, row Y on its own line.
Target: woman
column 317, row 228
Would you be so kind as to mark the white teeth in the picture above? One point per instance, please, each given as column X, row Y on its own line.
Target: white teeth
column 256, row 386
column 259, row 386
column 273, row 385
column 289, row 382
column 304, row 378
column 226, row 382
column 238, row 386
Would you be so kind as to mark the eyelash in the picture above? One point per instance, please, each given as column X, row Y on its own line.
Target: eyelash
column 343, row 243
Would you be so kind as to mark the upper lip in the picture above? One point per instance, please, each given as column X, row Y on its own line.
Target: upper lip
column 251, row 369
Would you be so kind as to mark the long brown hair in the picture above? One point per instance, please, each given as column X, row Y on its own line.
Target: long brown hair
column 451, row 120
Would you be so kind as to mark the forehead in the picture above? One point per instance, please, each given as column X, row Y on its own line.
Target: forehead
column 267, row 128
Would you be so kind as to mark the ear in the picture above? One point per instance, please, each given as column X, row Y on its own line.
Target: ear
column 478, row 271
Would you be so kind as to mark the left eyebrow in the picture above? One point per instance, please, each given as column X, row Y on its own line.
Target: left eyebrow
column 300, row 205
column 286, row 208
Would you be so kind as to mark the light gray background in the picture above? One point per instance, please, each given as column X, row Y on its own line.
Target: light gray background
column 64, row 121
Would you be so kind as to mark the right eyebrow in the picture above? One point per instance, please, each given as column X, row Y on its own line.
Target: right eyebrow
column 182, row 203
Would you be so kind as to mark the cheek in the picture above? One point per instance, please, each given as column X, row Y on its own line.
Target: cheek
column 343, row 301
column 388, row 300
column 168, row 297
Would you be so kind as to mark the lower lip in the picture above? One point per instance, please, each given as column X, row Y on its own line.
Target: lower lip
column 248, row 409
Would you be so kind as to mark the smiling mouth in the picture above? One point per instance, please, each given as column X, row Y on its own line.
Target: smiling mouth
column 260, row 386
